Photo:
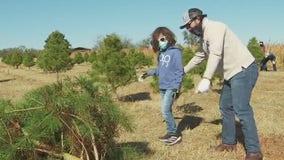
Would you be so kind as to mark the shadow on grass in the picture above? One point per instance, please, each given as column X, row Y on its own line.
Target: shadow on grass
column 189, row 108
column 239, row 133
column 188, row 122
column 129, row 150
column 7, row 80
column 136, row 97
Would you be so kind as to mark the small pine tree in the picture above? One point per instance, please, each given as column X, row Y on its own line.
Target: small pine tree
column 64, row 120
column 112, row 65
column 187, row 56
column 78, row 58
column 112, row 43
column 28, row 60
column 16, row 59
column 139, row 59
column 92, row 57
column 254, row 48
column 55, row 56
column 7, row 59
column 113, row 68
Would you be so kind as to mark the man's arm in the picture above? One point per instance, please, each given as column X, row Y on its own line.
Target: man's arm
column 195, row 61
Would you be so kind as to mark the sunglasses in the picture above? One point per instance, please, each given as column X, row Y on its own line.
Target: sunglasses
column 162, row 39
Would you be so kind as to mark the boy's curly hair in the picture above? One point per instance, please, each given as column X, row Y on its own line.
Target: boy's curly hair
column 170, row 36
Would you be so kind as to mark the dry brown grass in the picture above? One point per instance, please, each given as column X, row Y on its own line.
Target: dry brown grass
column 267, row 102
column 197, row 115
column 14, row 83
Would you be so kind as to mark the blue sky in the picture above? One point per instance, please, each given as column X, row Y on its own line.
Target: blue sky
column 83, row 22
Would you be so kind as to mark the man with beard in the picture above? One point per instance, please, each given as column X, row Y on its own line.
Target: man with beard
column 232, row 59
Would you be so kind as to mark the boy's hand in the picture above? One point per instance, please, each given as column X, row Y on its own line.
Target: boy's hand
column 142, row 77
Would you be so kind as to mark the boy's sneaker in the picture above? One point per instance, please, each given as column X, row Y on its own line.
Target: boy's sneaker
column 165, row 137
column 171, row 139
column 174, row 139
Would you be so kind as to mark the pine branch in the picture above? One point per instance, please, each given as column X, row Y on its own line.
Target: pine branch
column 4, row 140
column 44, row 149
column 28, row 109
column 95, row 151
column 65, row 156
column 24, row 110
column 36, row 142
column 78, row 132
column 62, row 144
column 72, row 131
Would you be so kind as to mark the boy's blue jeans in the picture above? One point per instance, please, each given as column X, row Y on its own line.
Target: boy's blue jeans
column 168, row 97
column 235, row 98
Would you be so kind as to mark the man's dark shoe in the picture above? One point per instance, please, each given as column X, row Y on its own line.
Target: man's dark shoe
column 225, row 147
column 254, row 156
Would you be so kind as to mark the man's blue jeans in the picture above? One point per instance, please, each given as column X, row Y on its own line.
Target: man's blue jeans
column 235, row 98
column 168, row 97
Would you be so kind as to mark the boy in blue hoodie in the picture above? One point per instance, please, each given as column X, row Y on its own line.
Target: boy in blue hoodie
column 170, row 73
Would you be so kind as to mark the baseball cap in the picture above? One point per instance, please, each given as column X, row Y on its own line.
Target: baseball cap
column 190, row 15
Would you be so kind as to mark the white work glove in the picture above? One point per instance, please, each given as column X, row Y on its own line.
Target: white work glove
column 203, row 86
column 142, row 77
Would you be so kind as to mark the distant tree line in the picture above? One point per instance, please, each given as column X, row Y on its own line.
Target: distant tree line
column 114, row 57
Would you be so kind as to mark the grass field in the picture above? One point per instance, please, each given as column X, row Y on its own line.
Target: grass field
column 197, row 116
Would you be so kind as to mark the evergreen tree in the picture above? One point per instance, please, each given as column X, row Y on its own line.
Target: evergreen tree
column 112, row 43
column 112, row 65
column 16, row 59
column 113, row 68
column 28, row 60
column 187, row 55
column 78, row 58
column 64, row 120
column 254, row 48
column 7, row 59
column 92, row 57
column 55, row 56
column 139, row 59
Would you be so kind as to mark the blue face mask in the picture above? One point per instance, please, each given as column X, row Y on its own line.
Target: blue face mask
column 163, row 45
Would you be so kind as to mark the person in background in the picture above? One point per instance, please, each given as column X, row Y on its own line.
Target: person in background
column 170, row 73
column 267, row 57
column 232, row 59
